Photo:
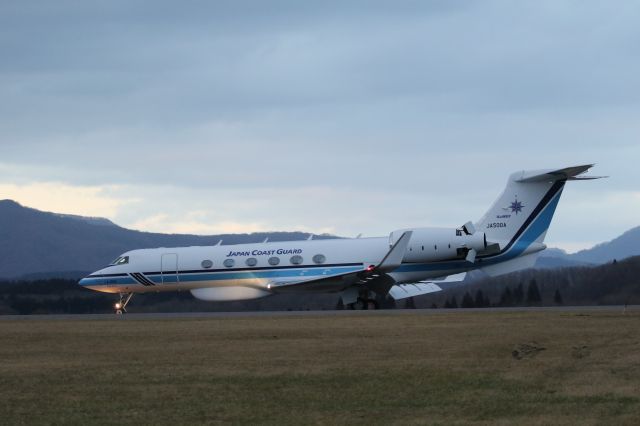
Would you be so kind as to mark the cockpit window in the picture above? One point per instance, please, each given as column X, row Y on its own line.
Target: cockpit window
column 122, row 260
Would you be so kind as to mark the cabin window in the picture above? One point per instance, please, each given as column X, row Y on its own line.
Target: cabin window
column 229, row 263
column 273, row 261
column 122, row 260
column 422, row 248
column 435, row 247
column 319, row 258
column 252, row 261
column 206, row 264
column 296, row 260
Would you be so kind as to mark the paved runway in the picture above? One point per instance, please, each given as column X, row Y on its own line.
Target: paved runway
column 278, row 314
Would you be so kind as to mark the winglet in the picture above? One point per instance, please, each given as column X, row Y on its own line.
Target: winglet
column 394, row 257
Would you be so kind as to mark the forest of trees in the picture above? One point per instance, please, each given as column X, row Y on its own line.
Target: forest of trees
column 617, row 283
column 508, row 298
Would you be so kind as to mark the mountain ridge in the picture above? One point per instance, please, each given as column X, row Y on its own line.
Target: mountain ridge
column 37, row 243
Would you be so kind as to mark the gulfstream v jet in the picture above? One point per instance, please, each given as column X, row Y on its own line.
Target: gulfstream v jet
column 408, row 262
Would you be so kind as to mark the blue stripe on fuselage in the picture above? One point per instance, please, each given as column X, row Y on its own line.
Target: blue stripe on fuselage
column 223, row 276
column 89, row 281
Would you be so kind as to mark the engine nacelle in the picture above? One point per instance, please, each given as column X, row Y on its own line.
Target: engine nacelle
column 223, row 294
column 436, row 244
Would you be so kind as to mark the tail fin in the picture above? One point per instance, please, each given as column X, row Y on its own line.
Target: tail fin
column 522, row 214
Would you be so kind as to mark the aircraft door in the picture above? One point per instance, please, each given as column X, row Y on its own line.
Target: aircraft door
column 169, row 269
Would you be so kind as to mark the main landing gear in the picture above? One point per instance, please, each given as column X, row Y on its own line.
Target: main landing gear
column 363, row 304
column 121, row 305
column 359, row 299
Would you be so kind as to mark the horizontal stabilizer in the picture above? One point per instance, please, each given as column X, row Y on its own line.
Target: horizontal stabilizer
column 568, row 173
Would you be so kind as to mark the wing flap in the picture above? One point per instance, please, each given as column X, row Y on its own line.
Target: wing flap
column 404, row 291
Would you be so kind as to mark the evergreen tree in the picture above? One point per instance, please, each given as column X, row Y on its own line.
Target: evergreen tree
column 506, row 298
column 557, row 297
column 533, row 294
column 480, row 301
column 340, row 305
column 434, row 306
column 454, row 302
column 447, row 304
column 410, row 304
column 518, row 295
column 467, row 301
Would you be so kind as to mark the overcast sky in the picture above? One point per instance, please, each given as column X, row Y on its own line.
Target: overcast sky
column 344, row 117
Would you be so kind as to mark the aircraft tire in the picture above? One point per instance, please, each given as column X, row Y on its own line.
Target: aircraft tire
column 361, row 304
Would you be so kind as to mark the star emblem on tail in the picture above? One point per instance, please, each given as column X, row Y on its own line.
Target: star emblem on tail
column 516, row 207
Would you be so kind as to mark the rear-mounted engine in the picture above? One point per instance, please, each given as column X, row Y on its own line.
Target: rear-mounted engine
column 436, row 244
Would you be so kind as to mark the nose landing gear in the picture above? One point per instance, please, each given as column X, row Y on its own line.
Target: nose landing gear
column 121, row 305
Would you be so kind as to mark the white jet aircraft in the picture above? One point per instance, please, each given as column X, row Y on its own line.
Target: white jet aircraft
column 409, row 262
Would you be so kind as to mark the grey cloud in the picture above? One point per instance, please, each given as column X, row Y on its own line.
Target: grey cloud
column 394, row 97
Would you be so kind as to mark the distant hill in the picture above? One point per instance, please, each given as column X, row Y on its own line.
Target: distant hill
column 626, row 245
column 36, row 244
column 622, row 247
column 557, row 258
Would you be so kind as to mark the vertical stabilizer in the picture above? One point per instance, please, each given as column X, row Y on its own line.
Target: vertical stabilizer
column 522, row 214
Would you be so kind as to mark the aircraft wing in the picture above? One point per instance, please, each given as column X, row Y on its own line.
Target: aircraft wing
column 373, row 276
column 365, row 276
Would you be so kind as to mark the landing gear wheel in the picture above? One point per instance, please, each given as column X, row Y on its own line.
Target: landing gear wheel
column 362, row 304
column 372, row 304
column 121, row 305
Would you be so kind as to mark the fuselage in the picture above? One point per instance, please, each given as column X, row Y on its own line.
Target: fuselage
column 253, row 266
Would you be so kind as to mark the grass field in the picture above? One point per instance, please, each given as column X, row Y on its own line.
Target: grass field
column 447, row 368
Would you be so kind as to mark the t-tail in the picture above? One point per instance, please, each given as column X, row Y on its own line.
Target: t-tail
column 517, row 223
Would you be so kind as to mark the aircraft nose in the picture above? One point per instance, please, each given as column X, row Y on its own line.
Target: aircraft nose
column 90, row 279
column 85, row 281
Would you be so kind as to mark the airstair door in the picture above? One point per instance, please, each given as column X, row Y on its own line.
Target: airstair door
column 170, row 268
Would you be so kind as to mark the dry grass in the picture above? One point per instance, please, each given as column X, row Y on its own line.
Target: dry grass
column 453, row 368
